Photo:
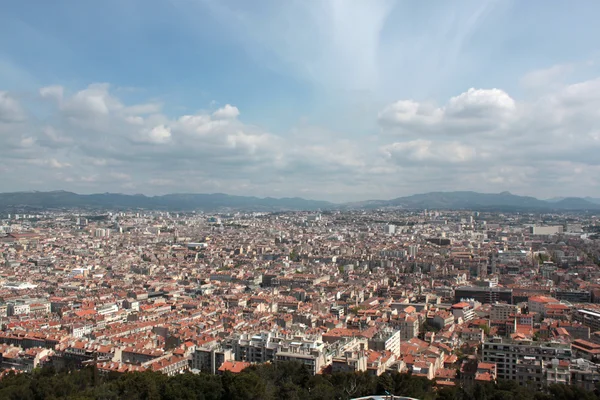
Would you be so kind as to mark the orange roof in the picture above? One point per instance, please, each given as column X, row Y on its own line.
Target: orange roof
column 543, row 299
column 234, row 366
column 486, row 376
column 461, row 305
column 83, row 313
column 557, row 306
column 483, row 365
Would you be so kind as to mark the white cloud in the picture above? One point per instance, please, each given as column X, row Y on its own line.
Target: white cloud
column 226, row 112
column 481, row 139
column 478, row 103
column 159, row 134
column 410, row 112
column 474, row 111
column 428, row 151
column 92, row 102
column 10, row 109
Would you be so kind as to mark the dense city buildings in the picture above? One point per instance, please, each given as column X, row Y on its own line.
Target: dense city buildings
column 454, row 296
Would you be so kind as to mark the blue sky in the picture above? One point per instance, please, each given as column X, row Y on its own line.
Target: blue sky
column 339, row 100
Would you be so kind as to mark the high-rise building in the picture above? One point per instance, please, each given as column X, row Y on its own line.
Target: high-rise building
column 512, row 356
column 413, row 250
column 390, row 229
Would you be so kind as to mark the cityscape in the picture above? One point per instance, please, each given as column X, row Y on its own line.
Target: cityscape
column 299, row 200
column 456, row 297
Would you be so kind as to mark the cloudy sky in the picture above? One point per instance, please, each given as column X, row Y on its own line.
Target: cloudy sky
column 328, row 99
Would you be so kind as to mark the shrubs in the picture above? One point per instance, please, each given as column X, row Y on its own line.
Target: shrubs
column 261, row 382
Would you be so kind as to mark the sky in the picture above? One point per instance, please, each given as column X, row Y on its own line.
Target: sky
column 340, row 100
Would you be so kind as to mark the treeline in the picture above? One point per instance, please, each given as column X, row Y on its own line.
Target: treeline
column 289, row 381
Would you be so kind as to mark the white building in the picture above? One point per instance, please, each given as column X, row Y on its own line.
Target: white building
column 107, row 309
column 389, row 229
column 546, row 230
column 101, row 232
column 18, row 309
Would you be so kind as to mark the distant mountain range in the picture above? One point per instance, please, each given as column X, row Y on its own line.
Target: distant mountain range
column 204, row 202
column 481, row 201
column 504, row 201
column 590, row 199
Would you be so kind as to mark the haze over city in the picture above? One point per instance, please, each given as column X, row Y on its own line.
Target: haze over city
column 328, row 100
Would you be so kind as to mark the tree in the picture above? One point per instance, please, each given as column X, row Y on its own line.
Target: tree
column 485, row 328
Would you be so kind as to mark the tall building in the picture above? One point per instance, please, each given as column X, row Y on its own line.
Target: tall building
column 209, row 359
column 510, row 356
column 101, row 232
column 413, row 250
column 485, row 295
column 588, row 318
column 311, row 354
column 272, row 346
column 386, row 340
column 574, row 296
column 503, row 311
column 389, row 229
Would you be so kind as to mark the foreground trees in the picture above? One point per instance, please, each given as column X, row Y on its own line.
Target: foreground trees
column 264, row 382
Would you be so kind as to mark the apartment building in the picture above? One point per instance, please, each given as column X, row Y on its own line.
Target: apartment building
column 586, row 350
column 440, row 319
column 351, row 361
column 408, row 325
column 17, row 309
column 485, row 295
column 209, row 359
column 503, row 311
column 257, row 348
column 463, row 311
column 585, row 374
column 574, row 296
column 311, row 354
column 588, row 318
column 271, row 346
column 557, row 372
column 386, row 340
column 546, row 306
column 537, row 374
column 509, row 354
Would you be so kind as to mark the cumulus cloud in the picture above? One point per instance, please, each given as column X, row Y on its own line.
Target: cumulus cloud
column 90, row 102
column 474, row 111
column 226, row 112
column 159, row 134
column 481, row 139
